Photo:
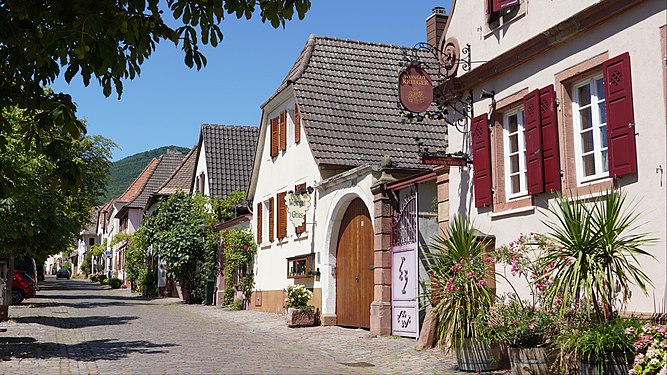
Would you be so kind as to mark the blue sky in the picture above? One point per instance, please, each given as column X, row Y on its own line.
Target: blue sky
column 167, row 104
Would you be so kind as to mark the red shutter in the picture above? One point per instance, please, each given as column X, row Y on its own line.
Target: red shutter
column 271, row 236
column 297, row 124
column 274, row 137
column 258, row 213
column 283, row 130
column 481, row 161
column 301, row 228
column 549, row 127
column 622, row 151
column 498, row 5
column 282, row 216
column 531, row 115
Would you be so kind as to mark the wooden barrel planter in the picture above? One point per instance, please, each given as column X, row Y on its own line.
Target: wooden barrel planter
column 474, row 356
column 530, row 361
column 614, row 364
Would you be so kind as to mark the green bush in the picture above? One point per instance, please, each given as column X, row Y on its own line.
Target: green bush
column 114, row 282
column 102, row 279
column 94, row 278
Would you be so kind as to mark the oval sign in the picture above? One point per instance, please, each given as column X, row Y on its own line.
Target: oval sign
column 415, row 89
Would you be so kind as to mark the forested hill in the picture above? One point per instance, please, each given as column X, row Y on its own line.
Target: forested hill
column 124, row 171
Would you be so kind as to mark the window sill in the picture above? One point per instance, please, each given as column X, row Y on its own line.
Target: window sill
column 265, row 246
column 300, row 237
column 582, row 183
column 514, row 211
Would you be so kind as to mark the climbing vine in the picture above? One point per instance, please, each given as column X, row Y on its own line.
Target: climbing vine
column 239, row 251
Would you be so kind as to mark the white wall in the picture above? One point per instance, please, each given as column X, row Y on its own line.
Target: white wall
column 293, row 166
column 201, row 167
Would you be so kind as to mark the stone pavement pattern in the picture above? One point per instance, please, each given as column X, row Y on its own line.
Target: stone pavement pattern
column 76, row 327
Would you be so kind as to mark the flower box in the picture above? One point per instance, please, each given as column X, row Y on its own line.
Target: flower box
column 300, row 318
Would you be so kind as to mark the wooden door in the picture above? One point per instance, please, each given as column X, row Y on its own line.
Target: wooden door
column 354, row 276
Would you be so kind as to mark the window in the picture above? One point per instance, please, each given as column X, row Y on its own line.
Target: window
column 91, row 242
column 590, row 124
column 515, row 154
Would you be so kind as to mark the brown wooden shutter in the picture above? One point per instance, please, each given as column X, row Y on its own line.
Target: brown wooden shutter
column 481, row 161
column 498, row 5
column 301, row 228
column 258, row 213
column 549, row 127
column 271, row 226
column 282, row 216
column 622, row 149
column 274, row 137
column 531, row 115
column 297, row 124
column 283, row 130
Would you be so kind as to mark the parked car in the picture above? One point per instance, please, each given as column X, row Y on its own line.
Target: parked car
column 62, row 274
column 23, row 287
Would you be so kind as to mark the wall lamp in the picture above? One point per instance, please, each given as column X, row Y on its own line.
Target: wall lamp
column 485, row 94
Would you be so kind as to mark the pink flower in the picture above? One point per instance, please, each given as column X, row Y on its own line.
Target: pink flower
column 245, row 247
column 470, row 274
column 531, row 326
column 481, row 282
column 515, row 323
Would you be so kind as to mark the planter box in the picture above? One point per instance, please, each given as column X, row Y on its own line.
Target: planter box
column 530, row 361
column 614, row 364
column 475, row 357
column 300, row 318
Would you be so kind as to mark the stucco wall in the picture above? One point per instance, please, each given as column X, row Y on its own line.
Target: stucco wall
column 293, row 166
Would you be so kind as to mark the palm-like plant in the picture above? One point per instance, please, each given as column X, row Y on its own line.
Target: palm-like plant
column 593, row 259
column 458, row 273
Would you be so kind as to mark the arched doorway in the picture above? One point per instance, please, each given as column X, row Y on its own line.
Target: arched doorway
column 354, row 258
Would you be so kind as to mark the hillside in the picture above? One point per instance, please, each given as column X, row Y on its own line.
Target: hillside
column 124, row 171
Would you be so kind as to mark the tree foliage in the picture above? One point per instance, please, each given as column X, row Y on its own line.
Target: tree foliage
column 41, row 213
column 225, row 209
column 106, row 41
column 180, row 232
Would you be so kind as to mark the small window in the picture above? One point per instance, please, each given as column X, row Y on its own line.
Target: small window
column 300, row 266
column 590, row 124
column 91, row 242
column 515, row 154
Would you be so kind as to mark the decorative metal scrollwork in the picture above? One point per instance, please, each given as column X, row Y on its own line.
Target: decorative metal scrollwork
column 404, row 226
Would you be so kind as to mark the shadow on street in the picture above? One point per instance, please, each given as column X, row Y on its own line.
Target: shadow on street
column 25, row 347
column 76, row 321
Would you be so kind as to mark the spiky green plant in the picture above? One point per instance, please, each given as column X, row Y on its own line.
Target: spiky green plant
column 458, row 273
column 594, row 257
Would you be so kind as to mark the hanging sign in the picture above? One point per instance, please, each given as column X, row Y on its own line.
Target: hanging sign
column 450, row 160
column 415, row 89
column 297, row 206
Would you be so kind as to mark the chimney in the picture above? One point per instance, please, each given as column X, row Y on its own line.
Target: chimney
column 435, row 25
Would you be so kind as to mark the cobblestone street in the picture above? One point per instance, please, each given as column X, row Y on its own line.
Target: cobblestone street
column 77, row 327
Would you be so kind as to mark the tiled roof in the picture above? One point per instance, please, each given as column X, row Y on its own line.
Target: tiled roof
column 230, row 151
column 150, row 179
column 181, row 178
column 347, row 92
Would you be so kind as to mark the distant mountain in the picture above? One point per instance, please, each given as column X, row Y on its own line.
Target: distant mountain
column 124, row 171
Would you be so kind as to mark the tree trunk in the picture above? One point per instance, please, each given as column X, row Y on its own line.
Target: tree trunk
column 10, row 278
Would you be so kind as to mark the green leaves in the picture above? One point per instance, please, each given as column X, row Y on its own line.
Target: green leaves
column 595, row 259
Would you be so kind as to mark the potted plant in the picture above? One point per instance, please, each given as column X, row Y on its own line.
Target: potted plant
column 593, row 264
column 602, row 347
column 526, row 327
column 651, row 349
column 299, row 313
column 459, row 270
column 526, row 330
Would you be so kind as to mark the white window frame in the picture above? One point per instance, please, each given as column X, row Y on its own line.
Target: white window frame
column 523, row 170
column 601, row 169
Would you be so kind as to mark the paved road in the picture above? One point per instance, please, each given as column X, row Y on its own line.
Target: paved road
column 76, row 327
